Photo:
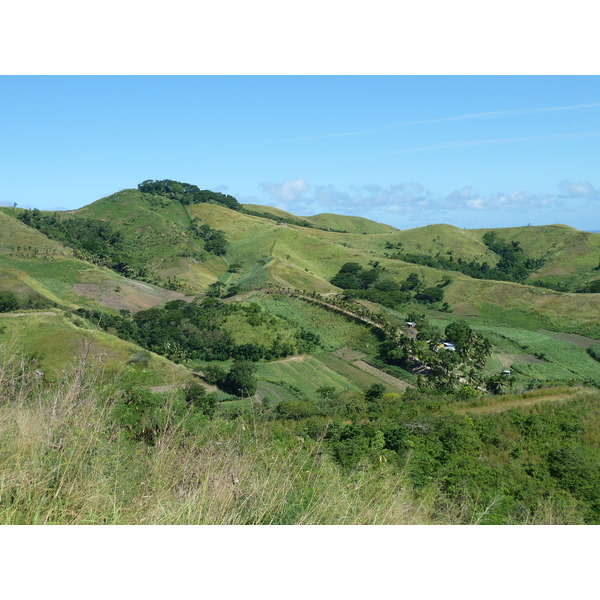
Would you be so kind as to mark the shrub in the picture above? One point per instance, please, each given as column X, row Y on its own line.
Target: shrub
column 241, row 380
column 296, row 409
column 196, row 395
column 8, row 301
column 594, row 352
column 375, row 392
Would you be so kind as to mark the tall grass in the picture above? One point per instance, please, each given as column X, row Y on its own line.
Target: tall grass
column 63, row 460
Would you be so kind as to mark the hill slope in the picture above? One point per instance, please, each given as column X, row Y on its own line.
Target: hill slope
column 56, row 339
column 350, row 224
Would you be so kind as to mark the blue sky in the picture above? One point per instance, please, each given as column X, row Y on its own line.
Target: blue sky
column 472, row 151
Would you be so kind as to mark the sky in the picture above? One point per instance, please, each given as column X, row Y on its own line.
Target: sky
column 471, row 151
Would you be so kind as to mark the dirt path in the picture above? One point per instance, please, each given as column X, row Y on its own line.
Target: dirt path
column 389, row 379
column 159, row 389
column 524, row 402
column 580, row 340
column 348, row 354
column 295, row 358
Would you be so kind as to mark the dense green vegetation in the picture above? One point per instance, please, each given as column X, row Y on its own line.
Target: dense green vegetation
column 214, row 240
column 459, row 368
column 186, row 193
column 592, row 287
column 10, row 301
column 504, row 466
column 184, row 331
column 371, row 284
column 87, row 451
column 95, row 240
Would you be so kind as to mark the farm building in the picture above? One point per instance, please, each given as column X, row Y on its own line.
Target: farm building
column 446, row 346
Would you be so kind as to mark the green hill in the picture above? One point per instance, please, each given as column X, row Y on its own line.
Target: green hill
column 56, row 340
column 350, row 224
column 19, row 241
column 71, row 283
column 571, row 256
column 279, row 214
column 158, row 234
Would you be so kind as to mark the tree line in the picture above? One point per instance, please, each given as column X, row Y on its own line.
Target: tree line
column 187, row 193
column 371, row 284
column 513, row 264
column 182, row 331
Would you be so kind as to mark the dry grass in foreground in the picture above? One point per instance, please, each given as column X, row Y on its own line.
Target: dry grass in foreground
column 65, row 461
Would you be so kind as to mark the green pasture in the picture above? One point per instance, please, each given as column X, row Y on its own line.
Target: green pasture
column 264, row 333
column 562, row 360
column 305, row 376
column 335, row 330
column 57, row 339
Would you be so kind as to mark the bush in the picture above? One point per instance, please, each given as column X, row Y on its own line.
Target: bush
column 214, row 374
column 594, row 352
column 296, row 409
column 8, row 301
column 196, row 395
column 241, row 380
column 430, row 295
column 375, row 392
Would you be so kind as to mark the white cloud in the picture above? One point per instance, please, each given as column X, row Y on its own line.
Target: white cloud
column 464, row 117
column 286, row 192
column 410, row 204
column 466, row 198
column 582, row 189
column 476, row 203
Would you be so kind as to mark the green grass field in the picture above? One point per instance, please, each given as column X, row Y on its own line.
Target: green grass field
column 58, row 340
column 336, row 331
column 306, row 375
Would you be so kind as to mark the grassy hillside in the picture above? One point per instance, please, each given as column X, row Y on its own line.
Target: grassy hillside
column 571, row 255
column 57, row 340
column 19, row 241
column 443, row 239
column 308, row 258
column 350, row 224
column 71, row 283
column 279, row 214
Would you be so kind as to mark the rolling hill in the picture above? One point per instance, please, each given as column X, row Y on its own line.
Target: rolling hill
column 157, row 232
column 131, row 289
column 350, row 224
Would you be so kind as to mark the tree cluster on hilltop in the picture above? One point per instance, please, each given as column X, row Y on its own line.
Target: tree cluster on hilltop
column 187, row 193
